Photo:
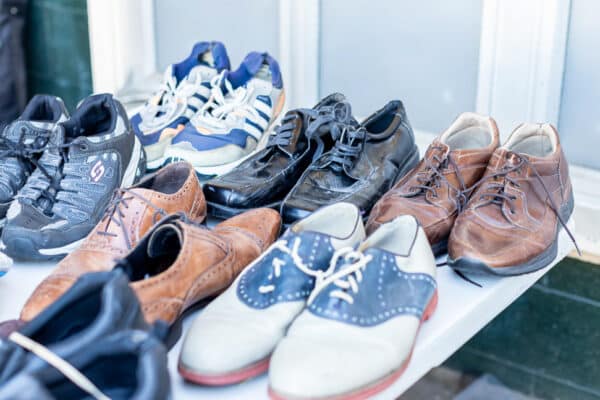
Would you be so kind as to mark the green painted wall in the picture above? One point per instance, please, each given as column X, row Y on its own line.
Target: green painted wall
column 58, row 52
column 547, row 343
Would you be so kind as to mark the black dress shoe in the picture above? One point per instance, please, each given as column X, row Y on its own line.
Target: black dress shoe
column 124, row 366
column 364, row 163
column 97, row 305
column 264, row 179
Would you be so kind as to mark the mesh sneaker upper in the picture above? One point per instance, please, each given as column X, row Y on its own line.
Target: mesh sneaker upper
column 22, row 142
column 243, row 104
column 84, row 162
column 184, row 90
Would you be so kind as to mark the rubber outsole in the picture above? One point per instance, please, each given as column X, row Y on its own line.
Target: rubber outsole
column 241, row 375
column 373, row 388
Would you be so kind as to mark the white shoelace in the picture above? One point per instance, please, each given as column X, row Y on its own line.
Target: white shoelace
column 346, row 278
column 221, row 105
column 69, row 371
column 170, row 91
column 298, row 263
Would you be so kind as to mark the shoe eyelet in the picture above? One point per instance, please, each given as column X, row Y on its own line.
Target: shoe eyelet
column 83, row 147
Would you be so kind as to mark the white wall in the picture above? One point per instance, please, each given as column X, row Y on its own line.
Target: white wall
column 579, row 121
column 243, row 26
column 425, row 53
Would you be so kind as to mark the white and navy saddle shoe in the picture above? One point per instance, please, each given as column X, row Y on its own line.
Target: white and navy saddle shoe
column 233, row 338
column 356, row 335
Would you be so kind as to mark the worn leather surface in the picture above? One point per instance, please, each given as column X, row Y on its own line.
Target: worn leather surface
column 108, row 240
column 366, row 178
column 207, row 263
column 265, row 178
column 435, row 211
column 512, row 233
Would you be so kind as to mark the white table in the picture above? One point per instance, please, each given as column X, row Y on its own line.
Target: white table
column 462, row 311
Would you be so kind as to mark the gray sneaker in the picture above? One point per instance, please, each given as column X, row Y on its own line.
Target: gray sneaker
column 22, row 143
column 88, row 156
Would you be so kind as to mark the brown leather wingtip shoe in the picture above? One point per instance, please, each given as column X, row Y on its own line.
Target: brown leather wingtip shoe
column 433, row 191
column 512, row 220
column 130, row 214
column 179, row 265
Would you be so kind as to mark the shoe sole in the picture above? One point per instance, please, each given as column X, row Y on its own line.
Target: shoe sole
column 20, row 245
column 375, row 387
column 545, row 258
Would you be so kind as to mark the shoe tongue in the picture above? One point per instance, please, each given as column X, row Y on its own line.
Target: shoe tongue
column 201, row 73
column 57, row 137
column 158, row 243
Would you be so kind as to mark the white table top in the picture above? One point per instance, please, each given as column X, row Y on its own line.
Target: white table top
column 463, row 310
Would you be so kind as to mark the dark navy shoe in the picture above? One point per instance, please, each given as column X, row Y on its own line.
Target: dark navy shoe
column 128, row 365
column 87, row 157
column 22, row 143
column 97, row 305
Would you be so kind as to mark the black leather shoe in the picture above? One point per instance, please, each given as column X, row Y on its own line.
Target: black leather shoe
column 364, row 163
column 128, row 365
column 97, row 305
column 264, row 179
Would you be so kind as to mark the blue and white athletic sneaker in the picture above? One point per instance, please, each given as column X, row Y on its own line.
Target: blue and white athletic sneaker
column 244, row 104
column 185, row 89
column 249, row 318
column 363, row 319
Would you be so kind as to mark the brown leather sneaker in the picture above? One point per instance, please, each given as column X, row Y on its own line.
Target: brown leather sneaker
column 130, row 214
column 433, row 191
column 512, row 220
column 179, row 265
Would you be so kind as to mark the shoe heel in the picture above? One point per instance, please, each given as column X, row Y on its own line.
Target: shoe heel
column 430, row 307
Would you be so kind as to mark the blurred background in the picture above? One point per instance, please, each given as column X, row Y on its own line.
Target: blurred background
column 518, row 60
